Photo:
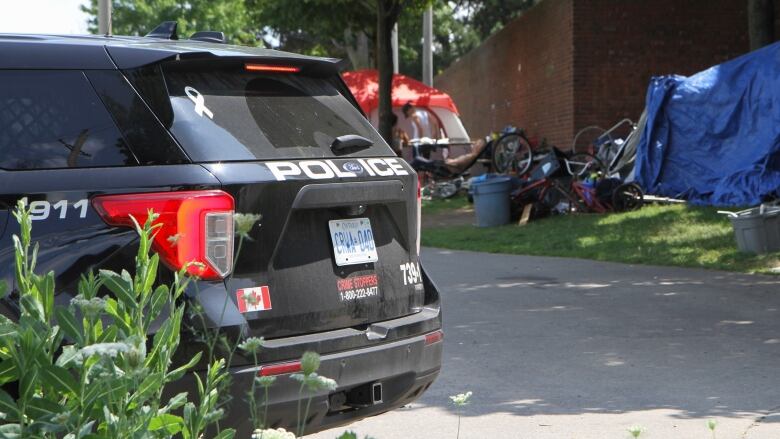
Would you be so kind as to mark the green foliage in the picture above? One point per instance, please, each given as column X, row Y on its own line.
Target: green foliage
column 453, row 37
column 83, row 370
column 323, row 27
column 315, row 27
column 139, row 17
column 312, row 27
column 489, row 16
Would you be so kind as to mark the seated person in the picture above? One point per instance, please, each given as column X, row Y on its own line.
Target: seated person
column 454, row 165
column 460, row 163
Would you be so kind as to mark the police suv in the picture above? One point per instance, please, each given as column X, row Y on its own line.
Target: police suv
column 94, row 129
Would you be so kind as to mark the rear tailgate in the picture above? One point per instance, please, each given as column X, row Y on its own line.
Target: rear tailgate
column 337, row 243
column 293, row 253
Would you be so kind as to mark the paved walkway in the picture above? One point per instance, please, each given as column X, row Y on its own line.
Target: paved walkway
column 561, row 348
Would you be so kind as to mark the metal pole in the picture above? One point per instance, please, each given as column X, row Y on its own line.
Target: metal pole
column 428, row 46
column 394, row 43
column 104, row 17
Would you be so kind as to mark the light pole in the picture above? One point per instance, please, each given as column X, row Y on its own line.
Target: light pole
column 428, row 46
column 104, row 17
column 394, row 43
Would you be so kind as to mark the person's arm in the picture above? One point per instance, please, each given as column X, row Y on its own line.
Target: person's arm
column 417, row 125
column 404, row 138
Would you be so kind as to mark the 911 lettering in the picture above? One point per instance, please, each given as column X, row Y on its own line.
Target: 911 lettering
column 42, row 209
column 326, row 169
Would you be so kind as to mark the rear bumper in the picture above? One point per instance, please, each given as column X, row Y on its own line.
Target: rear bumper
column 393, row 353
column 404, row 368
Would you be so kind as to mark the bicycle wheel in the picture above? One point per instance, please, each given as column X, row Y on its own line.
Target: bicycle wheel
column 587, row 137
column 582, row 164
column 561, row 198
column 512, row 152
column 628, row 196
column 444, row 189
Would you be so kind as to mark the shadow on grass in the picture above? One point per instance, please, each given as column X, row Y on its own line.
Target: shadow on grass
column 657, row 235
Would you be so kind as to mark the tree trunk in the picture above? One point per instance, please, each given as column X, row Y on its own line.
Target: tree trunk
column 761, row 23
column 357, row 50
column 386, row 16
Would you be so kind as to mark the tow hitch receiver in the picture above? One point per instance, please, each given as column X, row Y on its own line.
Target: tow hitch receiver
column 365, row 395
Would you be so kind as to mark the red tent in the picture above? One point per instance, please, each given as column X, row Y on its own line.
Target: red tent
column 364, row 84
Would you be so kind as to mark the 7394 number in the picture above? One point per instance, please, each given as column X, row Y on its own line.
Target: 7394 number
column 411, row 273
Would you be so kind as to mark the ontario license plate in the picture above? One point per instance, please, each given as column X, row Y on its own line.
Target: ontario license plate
column 353, row 241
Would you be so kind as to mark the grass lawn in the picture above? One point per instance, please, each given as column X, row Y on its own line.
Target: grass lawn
column 430, row 207
column 656, row 235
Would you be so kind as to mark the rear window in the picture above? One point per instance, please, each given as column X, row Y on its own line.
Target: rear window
column 54, row 119
column 225, row 113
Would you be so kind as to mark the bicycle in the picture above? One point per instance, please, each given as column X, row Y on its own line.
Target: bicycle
column 607, row 149
column 600, row 195
column 512, row 152
column 564, row 185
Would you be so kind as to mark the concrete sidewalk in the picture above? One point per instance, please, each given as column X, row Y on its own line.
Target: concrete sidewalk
column 562, row 348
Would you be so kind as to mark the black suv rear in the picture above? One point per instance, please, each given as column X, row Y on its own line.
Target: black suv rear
column 95, row 129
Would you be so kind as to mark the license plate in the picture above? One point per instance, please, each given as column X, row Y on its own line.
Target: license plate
column 353, row 241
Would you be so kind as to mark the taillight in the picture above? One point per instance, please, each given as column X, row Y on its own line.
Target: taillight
column 195, row 227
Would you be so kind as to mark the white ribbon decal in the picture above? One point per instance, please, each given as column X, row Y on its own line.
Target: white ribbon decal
column 199, row 101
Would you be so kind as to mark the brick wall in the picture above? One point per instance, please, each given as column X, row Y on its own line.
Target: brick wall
column 521, row 75
column 566, row 64
column 620, row 44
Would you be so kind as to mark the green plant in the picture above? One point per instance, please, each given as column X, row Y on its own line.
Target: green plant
column 351, row 435
column 210, row 335
column 311, row 381
column 84, row 370
column 459, row 401
column 635, row 431
column 252, row 347
column 711, row 424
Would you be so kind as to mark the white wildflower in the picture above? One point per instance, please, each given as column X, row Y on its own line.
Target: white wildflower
column 461, row 399
column 271, row 433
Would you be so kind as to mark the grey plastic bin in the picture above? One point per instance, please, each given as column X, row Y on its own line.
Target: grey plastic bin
column 757, row 230
column 491, row 201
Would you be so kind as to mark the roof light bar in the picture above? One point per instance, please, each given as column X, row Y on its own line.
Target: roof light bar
column 271, row 68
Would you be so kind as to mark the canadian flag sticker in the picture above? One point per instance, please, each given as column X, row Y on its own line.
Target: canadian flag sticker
column 253, row 299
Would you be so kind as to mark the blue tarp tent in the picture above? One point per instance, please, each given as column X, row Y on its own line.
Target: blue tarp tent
column 714, row 138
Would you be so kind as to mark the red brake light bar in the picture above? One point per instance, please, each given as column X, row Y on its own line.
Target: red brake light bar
column 434, row 337
column 195, row 226
column 271, row 68
column 279, row 368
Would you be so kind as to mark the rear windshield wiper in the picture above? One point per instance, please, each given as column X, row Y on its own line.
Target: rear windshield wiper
column 350, row 141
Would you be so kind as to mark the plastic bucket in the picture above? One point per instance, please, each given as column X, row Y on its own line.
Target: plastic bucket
column 491, row 201
column 757, row 230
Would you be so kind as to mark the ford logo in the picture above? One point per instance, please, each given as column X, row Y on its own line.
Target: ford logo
column 352, row 167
